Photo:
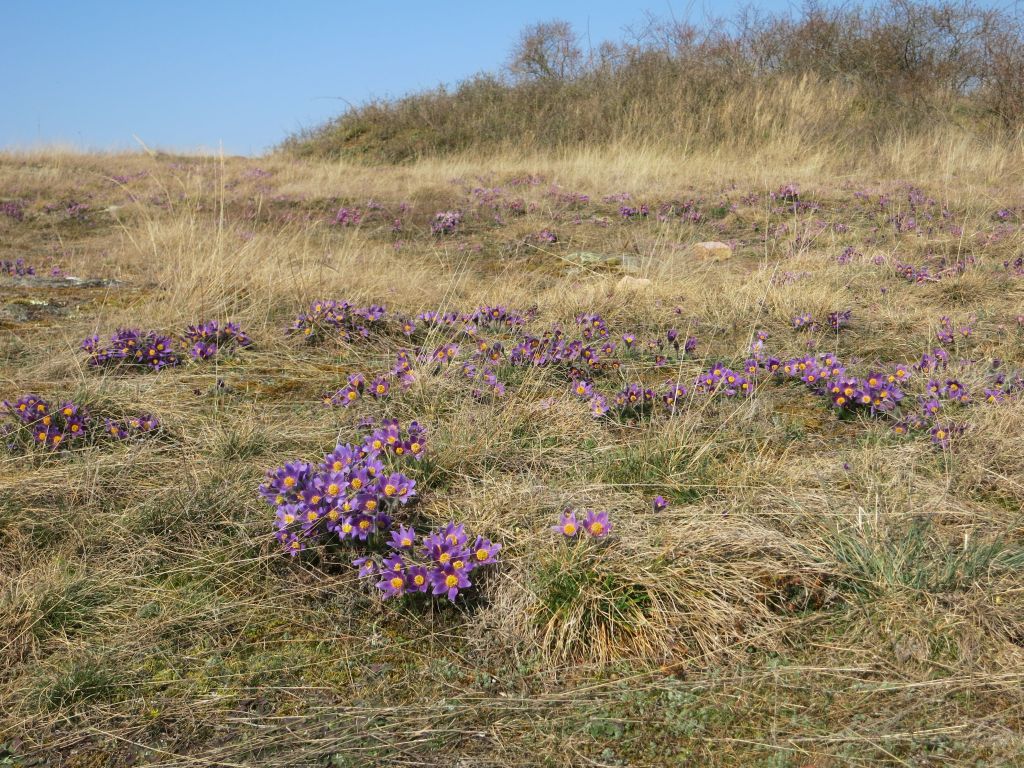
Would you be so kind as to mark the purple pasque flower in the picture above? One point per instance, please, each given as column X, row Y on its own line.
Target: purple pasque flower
column 483, row 552
column 955, row 391
column 660, row 503
column 417, row 579
column 944, row 433
column 396, row 486
column 567, row 525
column 675, row 392
column 367, row 566
column 597, row 524
column 403, row 539
column 380, row 387
column 449, row 581
column 994, row 396
column 393, row 583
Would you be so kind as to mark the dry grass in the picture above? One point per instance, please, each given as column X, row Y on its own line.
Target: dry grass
column 818, row 593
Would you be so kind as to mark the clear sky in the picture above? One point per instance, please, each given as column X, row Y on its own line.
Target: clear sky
column 190, row 74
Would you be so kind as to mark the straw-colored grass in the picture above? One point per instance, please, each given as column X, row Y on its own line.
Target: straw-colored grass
column 819, row 591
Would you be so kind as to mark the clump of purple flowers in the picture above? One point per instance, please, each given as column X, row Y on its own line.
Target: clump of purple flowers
column 804, row 322
column 130, row 348
column 446, row 222
column 12, row 209
column 594, row 523
column 50, row 427
column 547, row 236
column 352, row 494
column 133, row 427
column 633, row 400
column 947, row 334
column 348, row 217
column 16, row 268
column 498, row 315
column 439, row 563
column 848, row 254
column 38, row 422
column 634, row 212
column 208, row 339
column 943, row 435
column 840, row 319
column 379, row 389
column 721, row 380
column 789, row 193
column 327, row 318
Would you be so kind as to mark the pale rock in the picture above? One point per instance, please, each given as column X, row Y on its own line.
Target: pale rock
column 713, row 250
column 631, row 284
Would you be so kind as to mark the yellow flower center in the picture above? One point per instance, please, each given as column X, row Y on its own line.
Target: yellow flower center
column 451, row 581
column 289, row 482
column 333, row 489
column 596, row 528
column 418, row 579
column 482, row 554
column 397, row 582
column 569, row 529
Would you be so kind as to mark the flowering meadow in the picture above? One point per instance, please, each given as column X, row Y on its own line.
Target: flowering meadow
column 488, row 462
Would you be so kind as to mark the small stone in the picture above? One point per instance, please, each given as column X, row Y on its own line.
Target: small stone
column 629, row 284
column 713, row 250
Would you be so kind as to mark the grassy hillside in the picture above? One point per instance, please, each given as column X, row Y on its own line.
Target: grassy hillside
column 820, row 589
column 845, row 80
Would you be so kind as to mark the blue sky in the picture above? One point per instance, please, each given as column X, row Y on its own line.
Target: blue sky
column 191, row 73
